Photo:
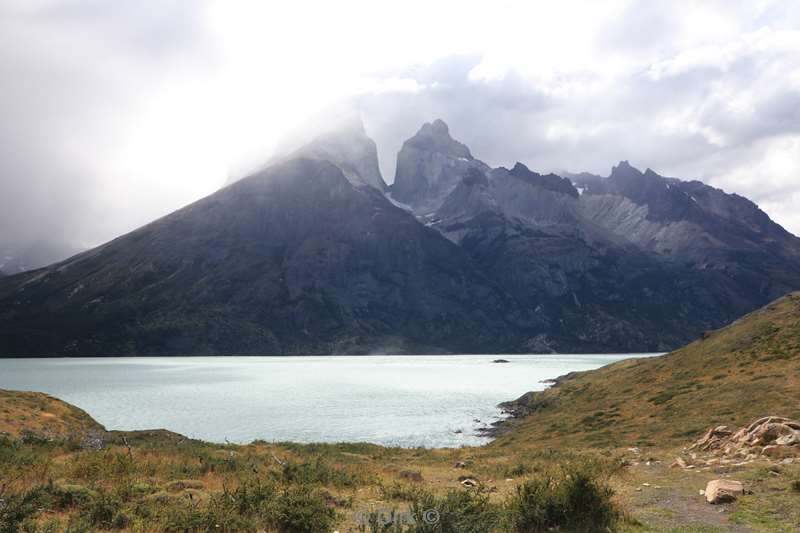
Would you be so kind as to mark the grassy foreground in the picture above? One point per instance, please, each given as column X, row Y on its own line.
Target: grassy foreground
column 567, row 466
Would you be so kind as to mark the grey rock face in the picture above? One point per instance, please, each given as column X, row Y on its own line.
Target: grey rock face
column 678, row 218
column 588, row 290
column 429, row 166
column 696, row 225
column 599, row 266
column 518, row 194
column 349, row 148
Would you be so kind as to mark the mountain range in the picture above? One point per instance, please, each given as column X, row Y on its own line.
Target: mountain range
column 316, row 254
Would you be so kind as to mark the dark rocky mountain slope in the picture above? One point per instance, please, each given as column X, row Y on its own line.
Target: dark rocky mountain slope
column 293, row 260
column 310, row 256
column 632, row 261
column 589, row 289
column 696, row 225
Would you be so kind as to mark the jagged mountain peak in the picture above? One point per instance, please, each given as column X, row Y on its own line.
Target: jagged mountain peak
column 437, row 127
column 429, row 167
column 550, row 182
column 625, row 170
column 642, row 187
column 435, row 137
column 520, row 169
column 347, row 145
column 650, row 173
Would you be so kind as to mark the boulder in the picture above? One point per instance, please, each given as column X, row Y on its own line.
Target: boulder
column 771, row 436
column 774, row 451
column 723, row 491
column 790, row 439
column 713, row 439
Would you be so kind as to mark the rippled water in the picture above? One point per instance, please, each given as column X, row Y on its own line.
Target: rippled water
column 391, row 400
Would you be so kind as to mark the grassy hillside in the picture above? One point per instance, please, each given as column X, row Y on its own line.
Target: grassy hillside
column 42, row 415
column 731, row 376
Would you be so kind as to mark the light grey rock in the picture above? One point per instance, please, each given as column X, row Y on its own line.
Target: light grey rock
column 429, row 166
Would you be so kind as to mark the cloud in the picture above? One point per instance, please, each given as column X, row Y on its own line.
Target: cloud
column 117, row 113
column 76, row 79
column 726, row 111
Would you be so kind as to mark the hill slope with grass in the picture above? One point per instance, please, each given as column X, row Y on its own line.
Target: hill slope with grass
column 42, row 415
column 732, row 376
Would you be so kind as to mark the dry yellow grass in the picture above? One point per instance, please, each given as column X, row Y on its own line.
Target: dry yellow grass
column 42, row 415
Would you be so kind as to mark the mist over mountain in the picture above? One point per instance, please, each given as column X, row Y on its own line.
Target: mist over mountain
column 18, row 257
column 315, row 254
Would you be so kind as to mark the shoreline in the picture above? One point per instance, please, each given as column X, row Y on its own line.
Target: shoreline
column 326, row 355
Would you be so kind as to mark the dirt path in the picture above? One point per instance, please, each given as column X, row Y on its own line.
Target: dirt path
column 669, row 499
column 667, row 508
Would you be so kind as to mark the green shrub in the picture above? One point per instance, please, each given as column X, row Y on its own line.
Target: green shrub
column 401, row 492
column 65, row 496
column 15, row 508
column 102, row 465
column 572, row 500
column 104, row 511
column 518, row 470
column 79, row 524
column 300, row 510
column 318, row 472
column 223, row 514
column 251, row 496
column 459, row 511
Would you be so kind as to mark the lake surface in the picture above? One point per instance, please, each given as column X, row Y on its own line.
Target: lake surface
column 431, row 401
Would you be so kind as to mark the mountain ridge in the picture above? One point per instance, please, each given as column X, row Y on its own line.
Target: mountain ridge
column 313, row 255
column 202, row 280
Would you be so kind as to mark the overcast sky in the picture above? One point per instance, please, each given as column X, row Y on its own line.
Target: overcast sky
column 115, row 113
